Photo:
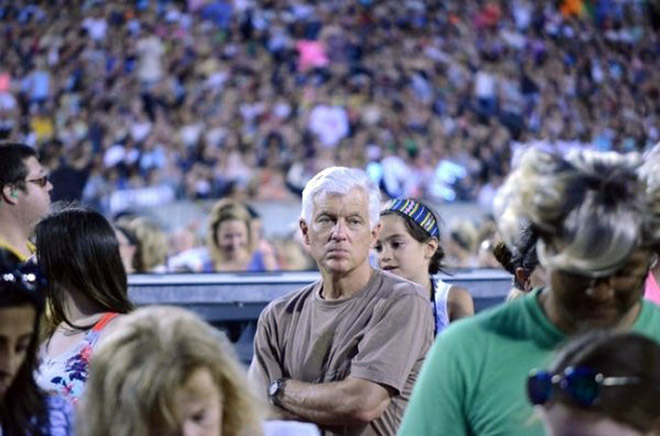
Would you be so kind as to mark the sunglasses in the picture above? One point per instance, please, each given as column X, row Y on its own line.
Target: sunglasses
column 27, row 277
column 41, row 181
column 582, row 384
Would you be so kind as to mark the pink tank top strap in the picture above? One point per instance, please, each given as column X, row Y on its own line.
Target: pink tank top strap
column 651, row 289
column 104, row 321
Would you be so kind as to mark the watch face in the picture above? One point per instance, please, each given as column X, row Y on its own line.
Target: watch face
column 273, row 388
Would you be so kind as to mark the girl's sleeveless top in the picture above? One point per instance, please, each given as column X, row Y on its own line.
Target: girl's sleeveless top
column 66, row 374
column 439, row 303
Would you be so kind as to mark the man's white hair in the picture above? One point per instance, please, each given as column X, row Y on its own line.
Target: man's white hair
column 341, row 180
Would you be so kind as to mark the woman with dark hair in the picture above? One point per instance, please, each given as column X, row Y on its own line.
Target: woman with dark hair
column 522, row 261
column 408, row 245
column 24, row 408
column 601, row 384
column 87, row 288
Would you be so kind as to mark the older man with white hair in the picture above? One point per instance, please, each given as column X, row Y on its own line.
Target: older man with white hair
column 345, row 351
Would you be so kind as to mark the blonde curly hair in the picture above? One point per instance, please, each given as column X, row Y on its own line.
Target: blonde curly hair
column 591, row 209
column 138, row 369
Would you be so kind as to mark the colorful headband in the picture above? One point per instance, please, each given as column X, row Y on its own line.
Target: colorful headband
column 417, row 212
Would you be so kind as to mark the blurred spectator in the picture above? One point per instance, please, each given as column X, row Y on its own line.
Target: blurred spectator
column 185, row 254
column 69, row 171
column 229, row 240
column 152, row 246
column 291, row 256
column 174, row 375
column 259, row 243
column 461, row 244
column 166, row 89
column 128, row 243
column 601, row 384
column 487, row 238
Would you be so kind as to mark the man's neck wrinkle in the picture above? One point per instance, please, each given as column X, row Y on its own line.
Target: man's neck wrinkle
column 342, row 287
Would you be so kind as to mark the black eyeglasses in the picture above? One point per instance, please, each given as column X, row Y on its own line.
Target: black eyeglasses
column 582, row 384
column 41, row 181
column 619, row 280
column 26, row 277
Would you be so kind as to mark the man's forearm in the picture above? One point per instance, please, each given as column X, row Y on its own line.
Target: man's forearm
column 348, row 402
column 279, row 413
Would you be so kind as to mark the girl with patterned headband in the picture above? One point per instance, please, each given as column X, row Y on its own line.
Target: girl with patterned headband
column 409, row 246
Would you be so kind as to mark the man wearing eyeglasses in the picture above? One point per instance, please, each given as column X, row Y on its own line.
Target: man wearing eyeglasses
column 598, row 217
column 24, row 198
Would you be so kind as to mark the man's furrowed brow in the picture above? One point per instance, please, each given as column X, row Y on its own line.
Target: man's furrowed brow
column 325, row 214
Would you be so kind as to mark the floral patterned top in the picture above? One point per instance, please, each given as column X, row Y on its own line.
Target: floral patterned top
column 60, row 417
column 66, row 374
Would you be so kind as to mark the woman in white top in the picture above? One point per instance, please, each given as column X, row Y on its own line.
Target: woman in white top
column 408, row 245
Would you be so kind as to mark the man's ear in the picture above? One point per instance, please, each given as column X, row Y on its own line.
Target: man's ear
column 374, row 233
column 10, row 194
column 304, row 230
column 523, row 279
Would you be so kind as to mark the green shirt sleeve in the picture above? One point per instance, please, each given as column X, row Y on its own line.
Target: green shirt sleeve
column 437, row 404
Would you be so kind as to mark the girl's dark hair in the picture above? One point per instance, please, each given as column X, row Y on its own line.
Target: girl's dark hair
column 77, row 249
column 619, row 355
column 26, row 412
column 521, row 255
column 503, row 256
column 421, row 235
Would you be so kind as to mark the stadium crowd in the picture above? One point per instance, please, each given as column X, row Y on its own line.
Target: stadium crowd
column 203, row 99
column 538, row 109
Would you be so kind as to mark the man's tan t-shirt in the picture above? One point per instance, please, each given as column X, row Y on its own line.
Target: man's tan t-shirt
column 380, row 334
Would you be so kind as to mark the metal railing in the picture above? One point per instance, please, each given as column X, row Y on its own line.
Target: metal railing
column 233, row 301
column 241, row 296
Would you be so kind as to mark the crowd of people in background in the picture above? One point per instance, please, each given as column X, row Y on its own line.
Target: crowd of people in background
column 231, row 239
column 203, row 99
